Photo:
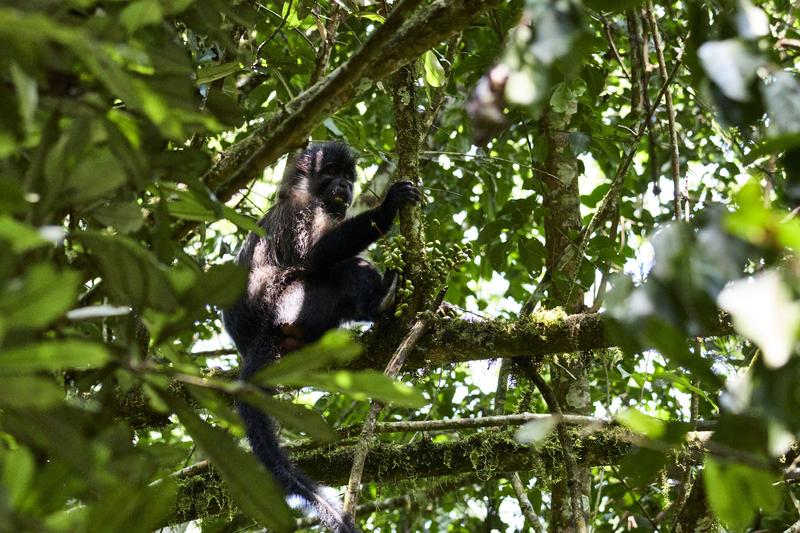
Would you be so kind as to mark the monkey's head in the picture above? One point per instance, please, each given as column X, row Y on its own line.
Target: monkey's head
column 325, row 172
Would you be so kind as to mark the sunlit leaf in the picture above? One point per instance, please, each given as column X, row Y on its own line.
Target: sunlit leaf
column 140, row 13
column 209, row 73
column 358, row 385
column 751, row 21
column 21, row 236
column 641, row 423
column 434, row 71
column 731, row 65
column 18, row 467
column 335, row 347
column 97, row 311
column 764, row 310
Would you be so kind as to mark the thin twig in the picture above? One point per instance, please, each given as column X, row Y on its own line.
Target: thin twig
column 611, row 196
column 613, row 45
column 525, row 504
column 362, row 448
column 411, row 339
column 636, row 499
column 673, row 133
column 516, row 482
column 407, row 501
column 274, row 33
column 570, row 464
column 328, row 37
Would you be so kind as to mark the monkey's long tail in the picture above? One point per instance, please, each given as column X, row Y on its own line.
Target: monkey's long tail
column 263, row 437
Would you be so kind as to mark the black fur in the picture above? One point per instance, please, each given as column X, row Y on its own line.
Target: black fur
column 305, row 278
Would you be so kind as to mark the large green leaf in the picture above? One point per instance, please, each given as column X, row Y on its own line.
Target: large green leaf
column 52, row 355
column 335, row 347
column 358, row 385
column 252, row 488
column 43, row 296
column 220, row 285
column 22, row 237
column 737, row 492
column 29, row 392
column 292, row 415
column 132, row 273
column 131, row 509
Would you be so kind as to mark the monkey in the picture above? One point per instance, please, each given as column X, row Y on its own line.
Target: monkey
column 305, row 277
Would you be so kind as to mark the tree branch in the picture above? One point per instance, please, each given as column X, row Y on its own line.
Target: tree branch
column 400, row 40
column 489, row 453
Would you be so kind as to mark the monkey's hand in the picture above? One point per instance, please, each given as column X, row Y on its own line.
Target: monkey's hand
column 399, row 194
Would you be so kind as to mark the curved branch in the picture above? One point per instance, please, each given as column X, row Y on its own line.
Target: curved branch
column 400, row 40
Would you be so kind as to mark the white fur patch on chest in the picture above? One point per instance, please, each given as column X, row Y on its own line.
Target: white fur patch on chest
column 289, row 304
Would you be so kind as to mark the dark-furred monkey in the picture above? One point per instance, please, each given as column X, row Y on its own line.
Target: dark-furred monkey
column 305, row 278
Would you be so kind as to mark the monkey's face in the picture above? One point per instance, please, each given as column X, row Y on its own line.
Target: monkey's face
column 334, row 186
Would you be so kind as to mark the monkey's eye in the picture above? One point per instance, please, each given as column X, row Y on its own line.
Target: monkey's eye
column 338, row 171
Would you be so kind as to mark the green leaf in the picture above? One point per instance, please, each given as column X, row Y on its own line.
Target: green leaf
column 375, row 17
column 737, row 492
column 27, row 94
column 43, row 296
column 29, row 392
column 209, row 73
column 52, row 355
column 671, row 342
column 220, row 285
column 293, row 415
column 188, row 206
column 21, row 236
column 131, row 509
column 140, row 13
column 642, row 465
column 12, row 199
column 639, row 422
column 131, row 272
column 125, row 217
column 368, row 384
column 434, row 71
column 18, row 467
column 252, row 488
column 97, row 174
column 335, row 347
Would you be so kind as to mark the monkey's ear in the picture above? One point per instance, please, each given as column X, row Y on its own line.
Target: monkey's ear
column 297, row 164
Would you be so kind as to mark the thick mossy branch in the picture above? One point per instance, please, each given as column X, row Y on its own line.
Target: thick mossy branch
column 487, row 454
column 451, row 341
column 458, row 340
column 402, row 39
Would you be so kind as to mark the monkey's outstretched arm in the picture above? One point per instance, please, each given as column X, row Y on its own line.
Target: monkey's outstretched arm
column 353, row 235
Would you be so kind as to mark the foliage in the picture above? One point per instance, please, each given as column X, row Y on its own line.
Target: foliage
column 118, row 255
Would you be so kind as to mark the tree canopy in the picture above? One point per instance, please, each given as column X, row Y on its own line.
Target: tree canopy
column 599, row 299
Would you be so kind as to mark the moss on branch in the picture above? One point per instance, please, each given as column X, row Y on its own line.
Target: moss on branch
column 487, row 454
